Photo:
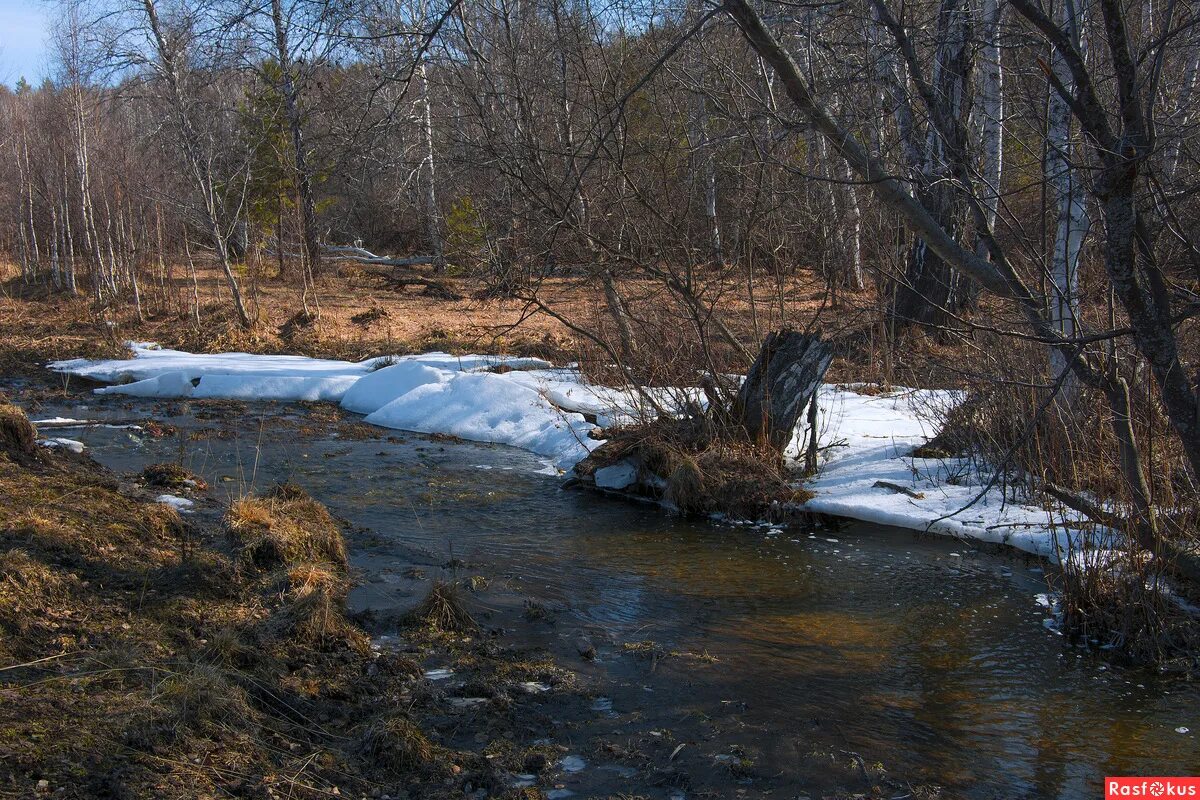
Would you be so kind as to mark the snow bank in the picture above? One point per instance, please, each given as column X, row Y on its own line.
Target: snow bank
column 372, row 392
column 170, row 384
column 486, row 407
column 280, row 387
column 870, row 440
column 428, row 393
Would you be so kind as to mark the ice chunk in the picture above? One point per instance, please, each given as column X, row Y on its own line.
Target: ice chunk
column 64, row 444
column 616, row 476
column 175, row 502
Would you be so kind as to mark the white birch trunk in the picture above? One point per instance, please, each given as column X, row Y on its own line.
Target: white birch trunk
column 1067, row 193
column 433, row 225
column 990, row 108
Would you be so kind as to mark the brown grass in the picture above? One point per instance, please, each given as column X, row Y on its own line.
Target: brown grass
column 443, row 610
column 18, row 437
column 171, row 476
column 286, row 528
column 314, row 609
column 704, row 472
column 398, row 745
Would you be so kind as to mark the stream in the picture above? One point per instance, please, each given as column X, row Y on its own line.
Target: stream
column 926, row 655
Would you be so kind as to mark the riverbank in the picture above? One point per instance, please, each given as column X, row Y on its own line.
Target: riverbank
column 154, row 653
column 763, row 652
column 149, row 654
column 870, row 439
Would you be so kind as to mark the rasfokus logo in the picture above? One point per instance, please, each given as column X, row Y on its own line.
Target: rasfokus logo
column 1151, row 787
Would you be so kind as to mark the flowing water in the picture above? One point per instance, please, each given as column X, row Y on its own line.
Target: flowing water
column 923, row 654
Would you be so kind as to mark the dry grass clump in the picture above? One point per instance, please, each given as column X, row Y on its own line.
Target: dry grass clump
column 687, row 465
column 314, row 609
column 229, row 648
column 443, row 610
column 163, row 521
column 294, row 539
column 1122, row 605
column 30, row 592
column 219, row 331
column 398, row 745
column 18, row 437
column 201, row 699
column 371, row 315
column 286, row 528
column 171, row 476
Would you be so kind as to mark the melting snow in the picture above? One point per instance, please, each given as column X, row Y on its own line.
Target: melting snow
column 66, row 444
column 175, row 502
column 870, row 439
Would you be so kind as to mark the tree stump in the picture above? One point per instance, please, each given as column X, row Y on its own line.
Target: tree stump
column 785, row 375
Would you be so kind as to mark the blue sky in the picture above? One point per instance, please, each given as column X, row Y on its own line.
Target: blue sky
column 23, row 35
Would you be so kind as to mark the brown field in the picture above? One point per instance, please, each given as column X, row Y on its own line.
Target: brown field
column 360, row 317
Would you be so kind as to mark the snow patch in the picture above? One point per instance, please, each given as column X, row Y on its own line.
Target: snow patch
column 616, row 476
column 870, row 439
column 178, row 503
column 375, row 390
column 63, row 444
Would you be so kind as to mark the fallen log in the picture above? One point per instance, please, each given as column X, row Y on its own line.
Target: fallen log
column 360, row 255
column 433, row 287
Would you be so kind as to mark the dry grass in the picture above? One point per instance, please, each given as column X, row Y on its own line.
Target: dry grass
column 201, row 699
column 398, row 745
column 18, row 437
column 286, row 528
column 314, row 610
column 171, row 476
column 131, row 673
column 443, row 610
column 700, row 471
column 1121, row 605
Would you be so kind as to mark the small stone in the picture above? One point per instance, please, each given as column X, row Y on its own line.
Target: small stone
column 585, row 647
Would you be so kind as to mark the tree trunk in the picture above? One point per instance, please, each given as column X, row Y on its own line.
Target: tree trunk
column 1067, row 193
column 197, row 162
column 779, row 386
column 291, row 101
column 932, row 292
column 433, row 222
column 990, row 108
